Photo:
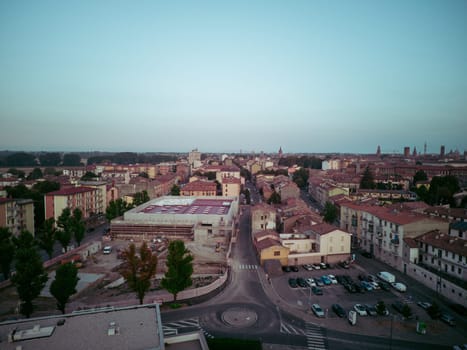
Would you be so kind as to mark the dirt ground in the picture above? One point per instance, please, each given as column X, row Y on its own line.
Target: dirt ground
column 208, row 263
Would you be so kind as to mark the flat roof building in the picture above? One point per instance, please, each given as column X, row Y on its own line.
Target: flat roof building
column 188, row 218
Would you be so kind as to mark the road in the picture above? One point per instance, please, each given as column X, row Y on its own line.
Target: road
column 244, row 310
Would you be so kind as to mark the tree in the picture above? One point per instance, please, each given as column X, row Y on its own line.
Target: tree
column 64, row 223
column 420, row 175
column 175, row 190
column 380, row 308
column 78, row 227
column 6, row 251
column 434, row 311
column 406, row 311
column 35, row 174
column 367, row 181
column 50, row 159
column 330, row 212
column 275, row 198
column 18, row 173
column 139, row 270
column 71, row 159
column 21, row 159
column 300, row 177
column 179, row 268
column 30, row 276
column 442, row 189
column 89, row 176
column 140, row 198
column 64, row 284
column 46, row 237
column 116, row 208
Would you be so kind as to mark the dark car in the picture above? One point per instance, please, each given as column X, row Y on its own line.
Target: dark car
column 317, row 290
column 301, row 282
column 367, row 254
column 384, row 285
column 344, row 264
column 293, row 282
column 448, row 319
column 286, row 268
column 294, row 268
column 371, row 310
column 399, row 307
column 339, row 310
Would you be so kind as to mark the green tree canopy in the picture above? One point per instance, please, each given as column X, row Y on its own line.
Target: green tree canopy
column 179, row 268
column 420, row 175
column 64, row 284
column 442, row 189
column 330, row 212
column 46, row 236
column 50, row 159
column 21, row 159
column 7, row 251
column 300, row 177
column 116, row 208
column 140, row 198
column 35, row 174
column 89, row 176
column 30, row 276
column 16, row 172
column 72, row 159
column 65, row 231
column 275, row 198
column 175, row 190
column 138, row 270
column 367, row 181
column 78, row 226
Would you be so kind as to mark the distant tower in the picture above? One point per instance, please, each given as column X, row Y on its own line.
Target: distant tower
column 424, row 148
column 378, row 151
column 414, row 154
column 441, row 152
column 406, row 152
column 280, row 152
column 194, row 159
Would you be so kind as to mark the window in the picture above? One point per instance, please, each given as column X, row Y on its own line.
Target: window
column 453, row 255
column 452, row 268
column 459, row 271
column 446, row 253
column 277, row 253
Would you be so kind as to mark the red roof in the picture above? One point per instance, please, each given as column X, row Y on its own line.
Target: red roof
column 71, row 190
column 323, row 228
column 200, row 186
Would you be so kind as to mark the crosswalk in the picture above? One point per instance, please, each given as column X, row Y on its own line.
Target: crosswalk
column 175, row 328
column 245, row 267
column 315, row 337
column 287, row 328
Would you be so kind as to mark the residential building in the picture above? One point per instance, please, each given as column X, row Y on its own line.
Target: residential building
column 269, row 247
column 263, row 217
column 87, row 199
column 101, row 186
column 199, row 188
column 194, row 160
column 231, row 186
column 17, row 215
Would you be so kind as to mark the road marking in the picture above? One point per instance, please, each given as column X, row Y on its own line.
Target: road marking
column 172, row 328
column 315, row 337
column 287, row 328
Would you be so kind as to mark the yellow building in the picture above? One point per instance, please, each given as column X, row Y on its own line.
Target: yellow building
column 269, row 247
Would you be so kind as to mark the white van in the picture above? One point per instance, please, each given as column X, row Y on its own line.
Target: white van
column 107, row 249
column 386, row 276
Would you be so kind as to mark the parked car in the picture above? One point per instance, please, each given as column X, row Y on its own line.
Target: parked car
column 448, row 319
column 107, row 249
column 339, row 310
column 286, row 268
column 294, row 268
column 319, row 282
column 323, row 265
column 399, row 307
column 317, row 266
column 424, row 304
column 401, row 287
column 360, row 309
column 293, row 283
column 367, row 254
column 371, row 310
column 340, row 279
column 308, row 267
column 344, row 264
column 384, row 286
column 333, row 279
column 317, row 310
column 301, row 282
column 317, row 291
column 311, row 282
column 326, row 280
column 375, row 285
column 366, row 285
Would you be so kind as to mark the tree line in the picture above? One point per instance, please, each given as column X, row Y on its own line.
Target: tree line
column 25, row 159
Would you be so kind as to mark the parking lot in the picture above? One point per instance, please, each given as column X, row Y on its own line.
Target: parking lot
column 302, row 298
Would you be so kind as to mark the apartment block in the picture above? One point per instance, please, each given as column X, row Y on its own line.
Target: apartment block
column 17, row 215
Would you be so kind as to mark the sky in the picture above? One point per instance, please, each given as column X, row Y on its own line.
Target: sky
column 229, row 76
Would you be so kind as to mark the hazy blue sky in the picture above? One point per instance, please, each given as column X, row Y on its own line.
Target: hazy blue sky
column 312, row 76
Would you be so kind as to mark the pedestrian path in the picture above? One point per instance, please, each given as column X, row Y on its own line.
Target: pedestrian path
column 287, row 328
column 315, row 337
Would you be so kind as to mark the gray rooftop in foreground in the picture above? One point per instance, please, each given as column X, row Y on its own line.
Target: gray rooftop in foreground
column 136, row 327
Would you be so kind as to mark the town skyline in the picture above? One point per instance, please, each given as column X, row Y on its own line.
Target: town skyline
column 311, row 76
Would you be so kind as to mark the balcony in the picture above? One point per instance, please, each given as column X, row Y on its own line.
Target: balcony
column 395, row 241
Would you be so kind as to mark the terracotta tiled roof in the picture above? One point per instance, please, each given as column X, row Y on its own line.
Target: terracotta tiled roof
column 200, row 186
column 323, row 228
column 267, row 243
column 411, row 243
column 443, row 241
column 70, row 191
